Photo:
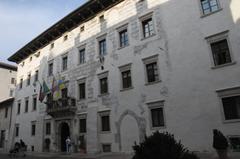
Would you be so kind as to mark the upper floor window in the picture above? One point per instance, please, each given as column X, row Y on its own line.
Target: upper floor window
column 83, row 125
column 151, row 67
column 33, row 128
column 147, row 25
column 18, row 107
column 16, row 130
column 64, row 92
column 21, row 83
column 28, row 79
column 209, row 6
column 123, row 38
column 105, row 121
column 6, row 112
column 231, row 107
column 82, row 90
column 220, row 49
column 34, row 103
column 12, row 80
column 81, row 56
column 157, row 114
column 48, row 128
column 126, row 76
column 26, row 105
column 64, row 62
column 82, row 28
column 11, row 92
column 36, row 76
column 65, row 37
column 102, row 47
column 50, row 69
column 52, row 46
column 101, row 18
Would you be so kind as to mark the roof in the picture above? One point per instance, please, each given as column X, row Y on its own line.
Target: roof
column 82, row 14
column 8, row 66
column 7, row 101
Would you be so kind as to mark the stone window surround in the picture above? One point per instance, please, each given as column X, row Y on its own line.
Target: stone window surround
column 215, row 38
column 82, row 116
column 79, row 81
column 227, row 92
column 105, row 144
column 153, row 105
column 123, row 68
column 81, row 47
column 100, row 76
column 45, row 127
column 143, row 18
column 100, row 38
column 34, row 96
column 25, row 100
column 104, row 113
column 17, row 125
column 28, row 74
column 149, row 60
column 62, row 57
column 33, row 123
column 119, row 29
column 202, row 15
column 19, row 102
column 50, row 62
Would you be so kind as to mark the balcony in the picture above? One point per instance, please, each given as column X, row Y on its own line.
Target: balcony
column 63, row 107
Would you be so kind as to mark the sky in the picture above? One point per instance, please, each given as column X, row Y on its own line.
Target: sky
column 23, row 20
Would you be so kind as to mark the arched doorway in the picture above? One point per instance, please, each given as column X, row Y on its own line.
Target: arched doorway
column 64, row 133
column 47, row 143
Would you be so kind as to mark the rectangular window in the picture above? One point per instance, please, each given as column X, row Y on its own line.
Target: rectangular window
column 209, row 6
column 34, row 103
column 235, row 143
column 147, row 26
column 52, row 46
column 26, row 105
column 231, row 107
column 11, row 93
column 157, row 117
column 106, row 147
column 64, row 63
column 19, row 107
column 82, row 89
column 102, row 47
column 48, row 128
column 123, row 38
column 221, row 53
column 28, row 79
column 33, row 129
column 6, row 112
column 17, row 130
column 12, row 80
column 36, row 76
column 50, row 69
column 152, row 72
column 105, row 120
column 65, row 37
column 82, row 56
column 103, row 85
column 82, row 125
column 126, row 79
column 21, row 83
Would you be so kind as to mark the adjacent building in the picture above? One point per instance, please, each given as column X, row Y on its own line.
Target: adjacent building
column 118, row 70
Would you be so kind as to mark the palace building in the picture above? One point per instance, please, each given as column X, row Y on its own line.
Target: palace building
column 113, row 71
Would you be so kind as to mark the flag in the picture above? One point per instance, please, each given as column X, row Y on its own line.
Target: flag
column 54, row 85
column 45, row 88
column 43, row 91
column 61, row 84
column 41, row 94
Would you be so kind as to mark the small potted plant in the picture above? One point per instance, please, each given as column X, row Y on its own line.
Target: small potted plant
column 220, row 143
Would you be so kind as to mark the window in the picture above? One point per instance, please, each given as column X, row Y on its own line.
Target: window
column 28, row 79
column 36, row 76
column 33, row 129
column 151, row 68
column 105, row 123
column 209, row 6
column 34, row 103
column 11, row 92
column 52, row 46
column 26, row 105
column 106, row 147
column 30, row 59
column 64, row 63
column 231, row 107
column 102, row 47
column 65, row 37
column 64, row 92
column 82, row 28
column 126, row 76
column 19, row 107
column 6, row 112
column 21, row 83
column 48, row 128
column 123, row 38
column 157, row 114
column 104, row 85
column 82, row 56
column 12, row 80
column 82, row 94
column 101, row 18
column 17, row 130
column 147, row 26
column 83, row 125
column 235, row 143
column 220, row 49
column 50, row 69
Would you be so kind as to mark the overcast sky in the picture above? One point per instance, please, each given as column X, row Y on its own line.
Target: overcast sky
column 23, row 20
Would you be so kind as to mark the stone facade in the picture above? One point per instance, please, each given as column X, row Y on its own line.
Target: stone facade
column 186, row 91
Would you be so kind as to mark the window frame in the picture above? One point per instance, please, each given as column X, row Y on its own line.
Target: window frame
column 123, row 69
column 156, row 105
column 33, row 131
column 28, row 79
column 207, row 14
column 34, row 107
column 50, row 73
column 48, row 131
column 224, row 93
column 81, row 81
column 6, row 113
column 145, row 18
column 26, row 104
column 21, row 83
column 102, row 114
column 81, row 117
column 119, row 31
column 217, row 38
column 150, row 60
column 17, row 130
column 83, row 47
column 99, row 40
column 100, row 77
column 19, row 107
column 64, row 68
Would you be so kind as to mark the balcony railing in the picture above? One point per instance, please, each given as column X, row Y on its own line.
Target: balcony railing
column 62, row 107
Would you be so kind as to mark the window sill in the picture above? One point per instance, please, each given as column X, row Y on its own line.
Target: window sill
column 231, row 121
column 126, row 89
column 144, row 38
column 151, row 83
column 158, row 128
column 205, row 15
column 105, row 132
column 102, row 95
column 81, row 64
column 122, row 47
column 224, row 65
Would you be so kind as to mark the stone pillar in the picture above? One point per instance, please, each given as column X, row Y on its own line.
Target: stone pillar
column 92, row 128
column 39, row 134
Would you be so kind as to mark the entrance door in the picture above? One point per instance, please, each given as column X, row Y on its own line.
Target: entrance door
column 65, row 132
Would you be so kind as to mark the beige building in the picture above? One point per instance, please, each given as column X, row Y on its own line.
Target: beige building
column 128, row 68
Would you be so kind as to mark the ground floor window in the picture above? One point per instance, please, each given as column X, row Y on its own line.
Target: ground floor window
column 106, row 147
column 235, row 143
column 231, row 107
column 156, row 112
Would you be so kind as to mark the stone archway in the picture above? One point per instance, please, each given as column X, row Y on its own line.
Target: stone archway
column 141, row 124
